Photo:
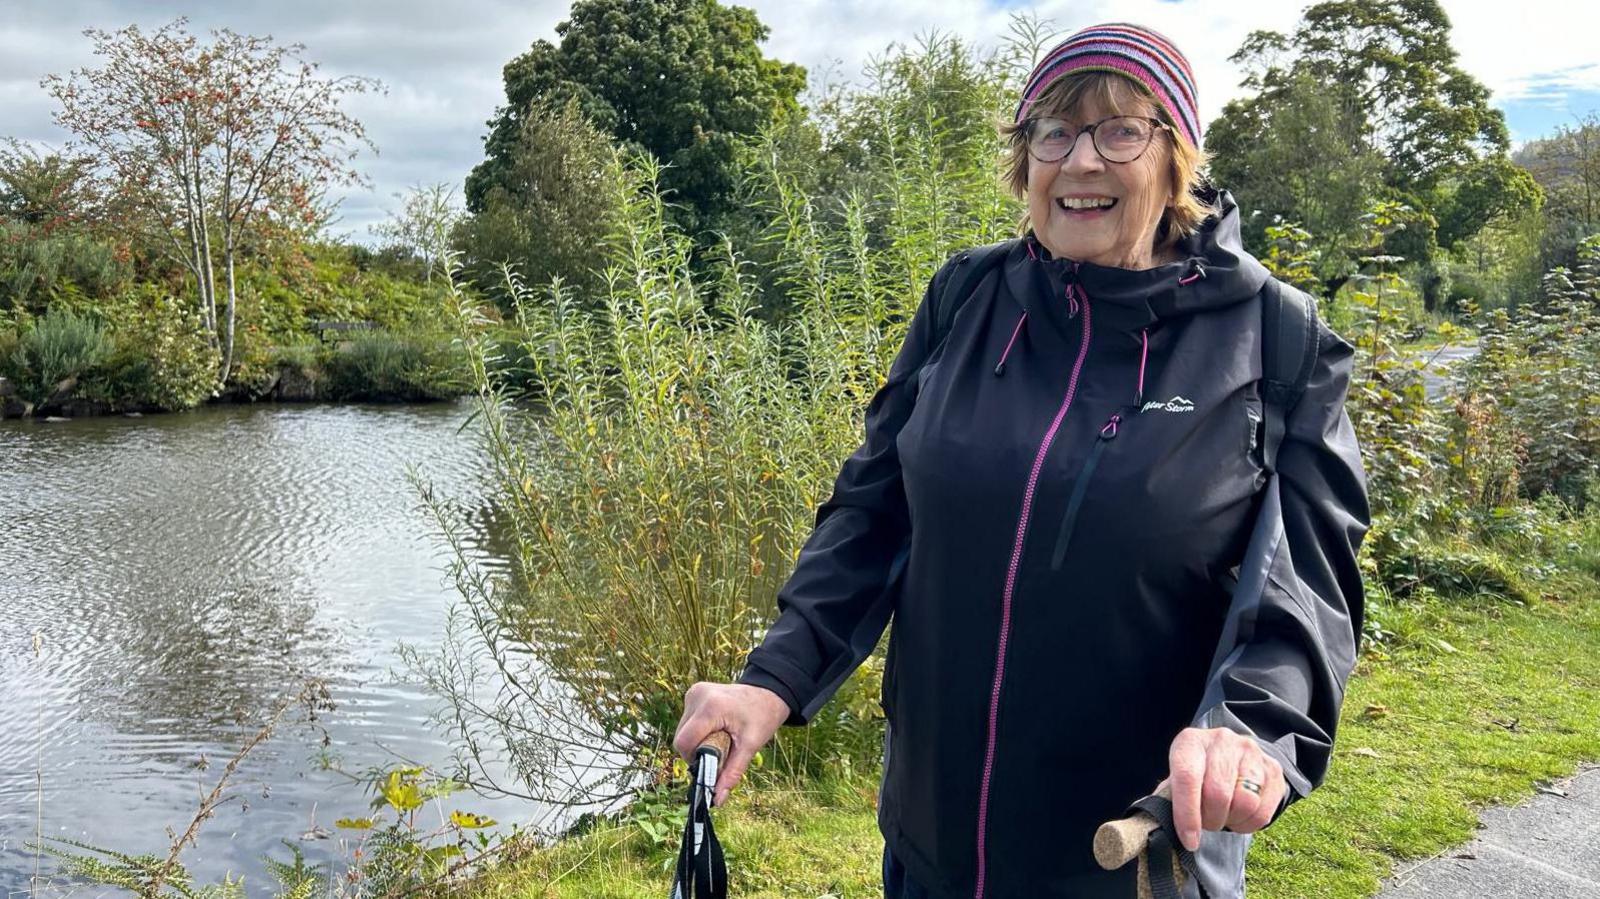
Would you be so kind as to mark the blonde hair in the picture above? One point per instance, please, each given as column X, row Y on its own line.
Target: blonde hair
column 1118, row 95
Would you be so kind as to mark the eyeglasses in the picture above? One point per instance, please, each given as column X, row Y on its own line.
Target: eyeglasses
column 1118, row 138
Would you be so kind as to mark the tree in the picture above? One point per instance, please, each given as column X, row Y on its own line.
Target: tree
column 1368, row 82
column 421, row 228
column 1297, row 153
column 1486, row 190
column 684, row 80
column 45, row 189
column 1567, row 166
column 212, row 147
column 1428, row 117
column 552, row 209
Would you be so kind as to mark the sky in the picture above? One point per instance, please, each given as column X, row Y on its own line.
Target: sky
column 441, row 62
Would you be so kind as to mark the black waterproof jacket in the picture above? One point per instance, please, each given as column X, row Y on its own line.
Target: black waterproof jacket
column 1075, row 473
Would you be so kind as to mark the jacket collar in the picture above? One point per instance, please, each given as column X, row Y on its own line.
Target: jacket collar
column 1215, row 272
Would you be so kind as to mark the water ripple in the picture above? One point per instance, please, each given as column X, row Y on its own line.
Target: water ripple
column 186, row 572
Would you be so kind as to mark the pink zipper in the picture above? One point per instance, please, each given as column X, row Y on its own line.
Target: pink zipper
column 1011, row 581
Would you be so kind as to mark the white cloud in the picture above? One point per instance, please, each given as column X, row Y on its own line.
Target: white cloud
column 1545, row 44
column 441, row 62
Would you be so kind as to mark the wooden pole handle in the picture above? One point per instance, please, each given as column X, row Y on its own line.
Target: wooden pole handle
column 719, row 743
column 1118, row 842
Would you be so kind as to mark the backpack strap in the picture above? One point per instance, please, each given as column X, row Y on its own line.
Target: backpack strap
column 962, row 276
column 1289, row 346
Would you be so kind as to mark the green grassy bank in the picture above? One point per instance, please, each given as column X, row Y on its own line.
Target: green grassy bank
column 1469, row 702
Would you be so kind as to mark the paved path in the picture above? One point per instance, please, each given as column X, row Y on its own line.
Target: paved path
column 1440, row 375
column 1547, row 847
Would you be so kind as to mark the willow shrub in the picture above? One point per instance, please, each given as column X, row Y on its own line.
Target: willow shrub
column 662, row 486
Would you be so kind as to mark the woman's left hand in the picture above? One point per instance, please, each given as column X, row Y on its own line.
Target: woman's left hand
column 1209, row 767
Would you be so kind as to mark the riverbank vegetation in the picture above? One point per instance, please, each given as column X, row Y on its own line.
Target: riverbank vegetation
column 699, row 404
column 175, row 251
column 665, row 418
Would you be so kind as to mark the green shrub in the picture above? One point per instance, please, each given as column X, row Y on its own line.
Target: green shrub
column 59, row 345
column 386, row 366
column 38, row 265
column 304, row 358
column 658, row 497
column 1535, row 383
column 1465, row 572
column 163, row 360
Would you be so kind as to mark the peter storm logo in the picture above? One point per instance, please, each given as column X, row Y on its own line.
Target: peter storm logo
column 1176, row 404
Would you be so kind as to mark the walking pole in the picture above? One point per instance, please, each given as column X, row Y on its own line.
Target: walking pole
column 1142, row 835
column 702, row 872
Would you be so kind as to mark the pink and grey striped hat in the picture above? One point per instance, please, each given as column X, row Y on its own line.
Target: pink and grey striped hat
column 1131, row 50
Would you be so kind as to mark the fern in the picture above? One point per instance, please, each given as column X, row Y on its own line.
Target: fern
column 295, row 879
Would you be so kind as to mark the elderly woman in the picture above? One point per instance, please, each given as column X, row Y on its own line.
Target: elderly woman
column 1059, row 497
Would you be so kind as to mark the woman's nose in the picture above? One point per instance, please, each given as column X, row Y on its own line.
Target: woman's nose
column 1083, row 156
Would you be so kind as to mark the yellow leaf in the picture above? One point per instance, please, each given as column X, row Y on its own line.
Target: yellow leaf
column 470, row 821
column 355, row 823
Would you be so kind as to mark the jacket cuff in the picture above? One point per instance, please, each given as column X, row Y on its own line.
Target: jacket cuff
column 756, row 676
column 1297, row 785
column 1292, row 794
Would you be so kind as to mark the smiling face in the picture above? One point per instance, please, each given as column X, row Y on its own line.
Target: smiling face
column 1123, row 235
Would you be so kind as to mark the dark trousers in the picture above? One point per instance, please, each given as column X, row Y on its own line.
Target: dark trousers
column 1112, row 885
column 896, row 885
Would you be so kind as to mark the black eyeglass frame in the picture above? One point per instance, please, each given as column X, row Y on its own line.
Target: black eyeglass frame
column 1094, row 140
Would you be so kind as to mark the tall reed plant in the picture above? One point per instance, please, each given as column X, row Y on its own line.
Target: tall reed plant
column 660, row 490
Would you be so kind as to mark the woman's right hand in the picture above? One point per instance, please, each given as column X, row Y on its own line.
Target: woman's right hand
column 751, row 715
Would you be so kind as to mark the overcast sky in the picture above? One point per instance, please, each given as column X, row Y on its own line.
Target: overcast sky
column 441, row 61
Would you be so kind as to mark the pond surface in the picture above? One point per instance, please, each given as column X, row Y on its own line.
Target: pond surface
column 181, row 574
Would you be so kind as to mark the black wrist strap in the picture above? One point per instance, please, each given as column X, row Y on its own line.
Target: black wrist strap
column 1163, row 844
column 702, row 872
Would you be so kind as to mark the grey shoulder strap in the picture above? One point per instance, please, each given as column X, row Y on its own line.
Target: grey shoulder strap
column 1289, row 346
column 961, row 278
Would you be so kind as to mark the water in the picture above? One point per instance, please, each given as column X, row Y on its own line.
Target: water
column 182, row 574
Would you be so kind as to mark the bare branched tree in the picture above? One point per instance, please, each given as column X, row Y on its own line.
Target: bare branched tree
column 421, row 228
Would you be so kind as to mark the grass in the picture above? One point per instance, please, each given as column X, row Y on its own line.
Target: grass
column 820, row 840
column 1471, row 703
column 1483, row 701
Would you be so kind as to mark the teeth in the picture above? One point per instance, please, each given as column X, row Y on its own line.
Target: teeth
column 1085, row 203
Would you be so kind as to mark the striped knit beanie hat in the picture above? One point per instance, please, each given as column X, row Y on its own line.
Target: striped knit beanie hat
column 1131, row 50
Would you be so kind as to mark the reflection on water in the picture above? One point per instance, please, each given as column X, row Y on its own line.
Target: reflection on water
column 186, row 572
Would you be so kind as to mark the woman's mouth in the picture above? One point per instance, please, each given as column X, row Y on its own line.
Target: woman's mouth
column 1085, row 207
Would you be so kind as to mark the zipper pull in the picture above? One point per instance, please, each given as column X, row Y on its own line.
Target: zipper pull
column 1109, row 431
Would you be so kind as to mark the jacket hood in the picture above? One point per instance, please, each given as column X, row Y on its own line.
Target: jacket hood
column 1216, row 272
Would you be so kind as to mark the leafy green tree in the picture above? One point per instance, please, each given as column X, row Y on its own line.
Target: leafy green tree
column 1429, row 118
column 1567, row 166
column 1365, row 101
column 1487, row 189
column 1297, row 152
column 682, row 79
column 549, row 213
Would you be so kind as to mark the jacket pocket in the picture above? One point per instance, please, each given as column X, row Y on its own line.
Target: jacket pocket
column 1069, row 519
